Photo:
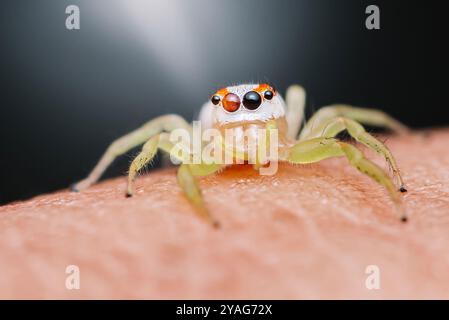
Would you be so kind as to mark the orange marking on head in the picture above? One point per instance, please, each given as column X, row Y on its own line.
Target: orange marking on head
column 222, row 92
column 264, row 87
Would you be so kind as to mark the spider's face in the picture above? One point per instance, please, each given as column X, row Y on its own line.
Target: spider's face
column 246, row 103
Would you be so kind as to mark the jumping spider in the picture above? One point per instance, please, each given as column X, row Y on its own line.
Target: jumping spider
column 259, row 106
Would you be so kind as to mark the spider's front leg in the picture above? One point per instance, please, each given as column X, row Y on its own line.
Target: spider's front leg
column 332, row 127
column 186, row 172
column 187, row 181
column 129, row 141
column 318, row 149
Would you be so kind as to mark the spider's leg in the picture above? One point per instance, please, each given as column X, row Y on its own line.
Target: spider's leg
column 317, row 149
column 186, row 172
column 367, row 116
column 129, row 141
column 189, row 184
column 334, row 126
column 295, row 101
column 160, row 141
column 147, row 154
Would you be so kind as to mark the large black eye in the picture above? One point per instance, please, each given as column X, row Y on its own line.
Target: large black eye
column 268, row 95
column 252, row 100
column 215, row 99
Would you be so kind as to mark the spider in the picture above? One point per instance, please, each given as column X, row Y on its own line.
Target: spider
column 260, row 106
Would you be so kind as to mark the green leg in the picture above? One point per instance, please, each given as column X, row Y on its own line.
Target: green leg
column 317, row 149
column 149, row 150
column 334, row 126
column 366, row 116
column 129, row 141
column 188, row 183
column 147, row 154
column 186, row 173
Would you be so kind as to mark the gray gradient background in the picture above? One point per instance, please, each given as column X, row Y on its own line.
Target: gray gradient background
column 66, row 94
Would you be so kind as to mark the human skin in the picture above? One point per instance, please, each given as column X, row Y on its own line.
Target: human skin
column 310, row 231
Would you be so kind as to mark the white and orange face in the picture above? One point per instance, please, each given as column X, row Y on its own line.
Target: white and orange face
column 243, row 103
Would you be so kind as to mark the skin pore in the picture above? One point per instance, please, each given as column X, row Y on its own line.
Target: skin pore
column 310, row 231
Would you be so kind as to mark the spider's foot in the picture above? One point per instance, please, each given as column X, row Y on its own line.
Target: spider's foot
column 404, row 219
column 205, row 215
column 403, row 188
column 73, row 188
column 129, row 194
column 216, row 224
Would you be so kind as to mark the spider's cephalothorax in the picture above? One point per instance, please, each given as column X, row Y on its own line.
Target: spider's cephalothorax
column 244, row 110
column 251, row 107
column 241, row 104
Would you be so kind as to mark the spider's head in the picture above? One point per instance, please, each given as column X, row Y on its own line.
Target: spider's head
column 246, row 103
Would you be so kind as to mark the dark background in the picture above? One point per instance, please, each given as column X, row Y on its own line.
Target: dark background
column 65, row 95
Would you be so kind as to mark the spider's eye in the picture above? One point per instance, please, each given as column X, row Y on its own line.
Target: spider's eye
column 215, row 99
column 231, row 102
column 252, row 100
column 268, row 95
